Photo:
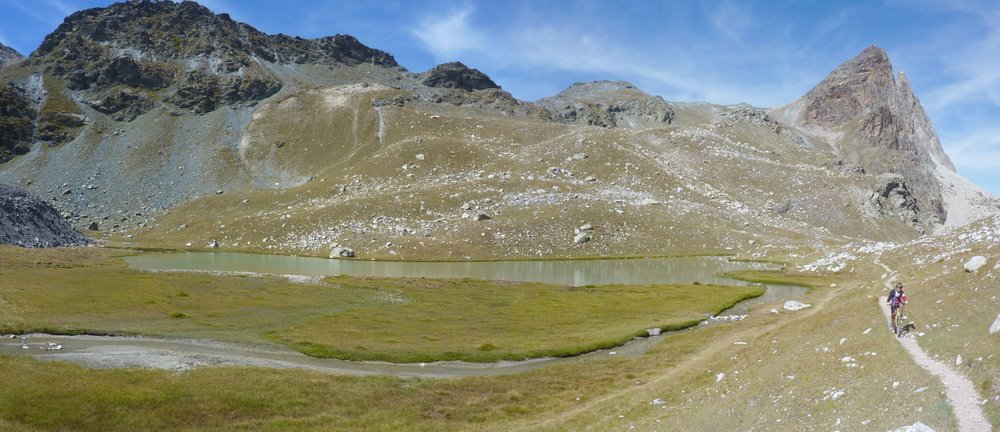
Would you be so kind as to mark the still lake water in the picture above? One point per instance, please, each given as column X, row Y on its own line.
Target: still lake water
column 705, row 270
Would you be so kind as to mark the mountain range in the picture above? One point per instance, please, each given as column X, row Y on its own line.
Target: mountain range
column 173, row 126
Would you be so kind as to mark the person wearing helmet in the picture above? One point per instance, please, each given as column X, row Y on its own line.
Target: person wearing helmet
column 896, row 299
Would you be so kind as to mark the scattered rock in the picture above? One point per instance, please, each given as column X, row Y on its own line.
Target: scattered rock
column 582, row 237
column 995, row 328
column 93, row 226
column 480, row 216
column 653, row 331
column 793, row 305
column 420, row 156
column 975, row 263
column 213, row 244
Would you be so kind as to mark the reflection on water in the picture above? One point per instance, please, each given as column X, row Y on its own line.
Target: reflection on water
column 564, row 272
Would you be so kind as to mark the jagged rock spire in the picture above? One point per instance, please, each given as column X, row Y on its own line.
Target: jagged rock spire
column 879, row 124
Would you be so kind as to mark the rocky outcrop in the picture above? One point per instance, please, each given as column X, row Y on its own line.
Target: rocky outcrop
column 878, row 124
column 456, row 75
column 494, row 100
column 29, row 222
column 609, row 104
column 891, row 197
column 17, row 117
column 8, row 56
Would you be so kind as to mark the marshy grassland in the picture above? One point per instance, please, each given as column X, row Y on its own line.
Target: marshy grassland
column 785, row 369
column 400, row 320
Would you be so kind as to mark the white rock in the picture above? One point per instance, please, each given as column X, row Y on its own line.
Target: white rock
column 653, row 331
column 916, row 427
column 213, row 244
column 975, row 263
column 582, row 237
column 420, row 156
column 658, row 401
column 338, row 251
column 719, row 376
column 480, row 216
column 995, row 328
column 958, row 360
column 793, row 305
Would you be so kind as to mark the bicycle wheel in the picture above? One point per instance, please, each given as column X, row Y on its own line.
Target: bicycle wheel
column 898, row 323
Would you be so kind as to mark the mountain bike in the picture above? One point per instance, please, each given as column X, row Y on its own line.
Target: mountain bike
column 897, row 323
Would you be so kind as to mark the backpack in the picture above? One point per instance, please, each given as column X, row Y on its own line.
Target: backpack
column 896, row 297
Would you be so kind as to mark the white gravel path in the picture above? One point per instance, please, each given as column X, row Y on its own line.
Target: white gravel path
column 961, row 393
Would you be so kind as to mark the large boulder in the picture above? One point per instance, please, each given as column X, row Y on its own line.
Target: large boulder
column 338, row 251
column 974, row 264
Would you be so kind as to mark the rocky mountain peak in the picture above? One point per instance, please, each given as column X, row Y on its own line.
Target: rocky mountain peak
column 609, row 104
column 457, row 76
column 161, row 30
column 8, row 55
column 129, row 58
column 876, row 121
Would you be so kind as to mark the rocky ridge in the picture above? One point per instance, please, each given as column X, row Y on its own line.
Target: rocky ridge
column 8, row 56
column 609, row 104
column 29, row 222
column 130, row 57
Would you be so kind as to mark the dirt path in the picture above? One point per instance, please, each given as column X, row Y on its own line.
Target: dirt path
column 960, row 392
column 696, row 361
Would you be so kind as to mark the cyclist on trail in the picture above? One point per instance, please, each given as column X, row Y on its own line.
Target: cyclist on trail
column 895, row 300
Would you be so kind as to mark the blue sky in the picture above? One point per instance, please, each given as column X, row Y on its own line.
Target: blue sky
column 766, row 53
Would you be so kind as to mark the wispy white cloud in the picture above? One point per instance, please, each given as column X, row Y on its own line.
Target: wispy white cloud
column 3, row 39
column 976, row 150
column 226, row 7
column 47, row 14
column 449, row 35
column 731, row 20
column 969, row 73
column 60, row 7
